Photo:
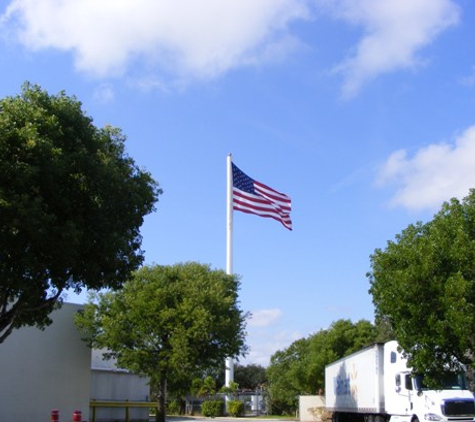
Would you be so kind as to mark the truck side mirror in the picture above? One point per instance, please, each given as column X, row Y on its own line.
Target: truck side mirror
column 398, row 383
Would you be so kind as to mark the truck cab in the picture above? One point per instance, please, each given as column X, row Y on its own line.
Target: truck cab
column 408, row 399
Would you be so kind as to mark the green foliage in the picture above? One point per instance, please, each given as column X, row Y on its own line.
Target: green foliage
column 250, row 377
column 196, row 384
column 285, row 374
column 217, row 372
column 169, row 322
column 71, row 206
column 235, row 408
column 204, row 388
column 173, row 408
column 300, row 369
column 212, row 408
column 230, row 390
column 384, row 330
column 423, row 285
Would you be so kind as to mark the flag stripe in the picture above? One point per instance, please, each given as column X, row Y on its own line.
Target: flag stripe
column 253, row 197
column 258, row 203
column 266, row 190
column 285, row 205
column 260, row 211
column 286, row 222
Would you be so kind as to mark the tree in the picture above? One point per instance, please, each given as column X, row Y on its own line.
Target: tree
column 71, row 206
column 230, row 390
column 205, row 387
column 285, row 374
column 423, row 285
column 341, row 339
column 250, row 377
column 300, row 369
column 168, row 322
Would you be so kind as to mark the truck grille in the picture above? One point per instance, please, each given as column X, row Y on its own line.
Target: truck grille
column 458, row 407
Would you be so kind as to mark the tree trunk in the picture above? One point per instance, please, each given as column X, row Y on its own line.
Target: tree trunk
column 162, row 390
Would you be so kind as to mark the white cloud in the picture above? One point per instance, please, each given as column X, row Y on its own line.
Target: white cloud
column 265, row 343
column 266, row 336
column 394, row 33
column 104, row 93
column 434, row 174
column 199, row 39
column 178, row 41
column 264, row 317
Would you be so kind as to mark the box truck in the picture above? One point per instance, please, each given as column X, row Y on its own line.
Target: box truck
column 375, row 385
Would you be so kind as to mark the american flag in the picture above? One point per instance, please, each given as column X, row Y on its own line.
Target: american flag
column 253, row 197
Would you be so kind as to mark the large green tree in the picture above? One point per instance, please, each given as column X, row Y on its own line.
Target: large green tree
column 71, row 206
column 423, row 286
column 169, row 322
column 300, row 369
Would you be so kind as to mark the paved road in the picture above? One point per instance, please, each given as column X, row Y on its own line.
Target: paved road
column 224, row 419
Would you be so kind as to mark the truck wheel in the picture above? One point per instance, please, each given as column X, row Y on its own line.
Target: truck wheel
column 338, row 417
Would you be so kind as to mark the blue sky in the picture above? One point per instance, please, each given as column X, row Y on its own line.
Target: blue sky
column 361, row 111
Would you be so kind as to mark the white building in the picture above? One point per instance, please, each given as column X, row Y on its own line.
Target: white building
column 45, row 370
column 41, row 371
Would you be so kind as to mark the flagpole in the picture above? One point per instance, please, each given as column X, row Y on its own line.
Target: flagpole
column 229, row 219
column 229, row 368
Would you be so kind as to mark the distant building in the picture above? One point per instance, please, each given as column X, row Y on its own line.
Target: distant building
column 111, row 383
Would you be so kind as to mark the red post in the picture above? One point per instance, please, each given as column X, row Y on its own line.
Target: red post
column 55, row 415
column 77, row 416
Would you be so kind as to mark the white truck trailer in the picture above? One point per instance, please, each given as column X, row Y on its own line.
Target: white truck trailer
column 375, row 385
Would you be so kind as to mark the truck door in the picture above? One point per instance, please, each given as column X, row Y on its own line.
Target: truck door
column 402, row 400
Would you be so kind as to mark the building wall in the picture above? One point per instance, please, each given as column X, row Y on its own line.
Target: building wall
column 312, row 409
column 119, row 385
column 45, row 370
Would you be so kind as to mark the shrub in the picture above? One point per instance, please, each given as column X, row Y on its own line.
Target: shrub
column 173, row 408
column 212, row 408
column 236, row 408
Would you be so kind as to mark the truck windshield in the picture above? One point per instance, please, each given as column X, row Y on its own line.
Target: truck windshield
column 446, row 382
